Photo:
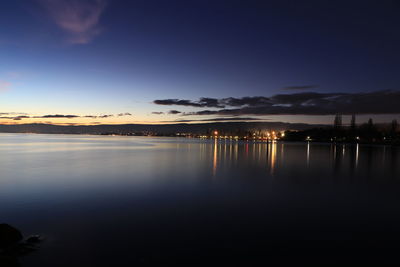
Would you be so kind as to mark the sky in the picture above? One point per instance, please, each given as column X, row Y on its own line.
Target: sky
column 115, row 61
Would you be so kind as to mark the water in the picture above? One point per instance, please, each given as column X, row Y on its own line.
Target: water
column 115, row 201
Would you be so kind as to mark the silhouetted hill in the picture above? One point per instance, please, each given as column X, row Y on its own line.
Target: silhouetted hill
column 162, row 129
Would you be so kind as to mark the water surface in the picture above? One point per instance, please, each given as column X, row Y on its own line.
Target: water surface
column 113, row 201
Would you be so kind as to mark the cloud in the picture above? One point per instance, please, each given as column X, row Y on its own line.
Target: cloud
column 300, row 87
column 203, row 102
column 157, row 112
column 214, row 102
column 174, row 112
column 308, row 103
column 4, row 85
column 13, row 113
column 220, row 119
column 169, row 102
column 18, row 118
column 245, row 101
column 124, row 114
column 210, row 102
column 14, row 116
column 106, row 116
column 79, row 18
column 57, row 116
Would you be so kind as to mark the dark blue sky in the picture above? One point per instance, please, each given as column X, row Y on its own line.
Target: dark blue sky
column 97, row 57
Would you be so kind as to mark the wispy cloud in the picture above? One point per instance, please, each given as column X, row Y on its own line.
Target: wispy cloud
column 107, row 115
column 4, row 85
column 79, row 18
column 13, row 113
column 124, row 114
column 19, row 116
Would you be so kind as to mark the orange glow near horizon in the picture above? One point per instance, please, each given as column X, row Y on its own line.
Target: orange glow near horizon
column 85, row 121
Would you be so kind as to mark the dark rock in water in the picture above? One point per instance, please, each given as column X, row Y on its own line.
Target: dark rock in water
column 33, row 239
column 9, row 236
column 7, row 261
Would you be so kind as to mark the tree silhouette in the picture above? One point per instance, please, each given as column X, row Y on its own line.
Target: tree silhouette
column 370, row 124
column 353, row 122
column 394, row 126
column 337, row 123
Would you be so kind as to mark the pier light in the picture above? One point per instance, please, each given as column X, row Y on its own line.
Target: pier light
column 215, row 132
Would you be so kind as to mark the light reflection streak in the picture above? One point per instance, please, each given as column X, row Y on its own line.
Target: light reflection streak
column 273, row 157
column 236, row 151
column 357, row 155
column 271, row 150
column 215, row 157
column 308, row 153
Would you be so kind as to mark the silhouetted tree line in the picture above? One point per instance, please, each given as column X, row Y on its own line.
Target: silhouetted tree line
column 365, row 133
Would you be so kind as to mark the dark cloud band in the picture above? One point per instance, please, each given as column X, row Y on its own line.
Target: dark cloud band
column 59, row 116
column 307, row 103
column 173, row 112
column 221, row 119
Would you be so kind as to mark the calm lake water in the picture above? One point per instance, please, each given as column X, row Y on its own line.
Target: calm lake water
column 115, row 201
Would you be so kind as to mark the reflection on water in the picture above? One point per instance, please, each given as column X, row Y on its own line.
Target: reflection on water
column 161, row 196
column 344, row 159
column 227, row 153
column 76, row 161
column 215, row 160
column 357, row 149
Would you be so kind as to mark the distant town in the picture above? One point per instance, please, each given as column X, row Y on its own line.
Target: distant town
column 337, row 133
column 368, row 132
